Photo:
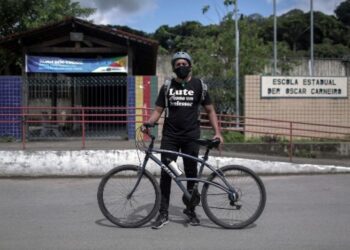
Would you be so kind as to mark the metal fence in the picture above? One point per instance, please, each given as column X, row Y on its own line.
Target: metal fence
column 106, row 97
column 48, row 123
column 49, row 128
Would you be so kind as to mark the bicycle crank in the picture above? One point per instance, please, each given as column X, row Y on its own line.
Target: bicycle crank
column 194, row 201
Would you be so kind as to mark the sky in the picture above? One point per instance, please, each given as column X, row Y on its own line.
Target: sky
column 149, row 15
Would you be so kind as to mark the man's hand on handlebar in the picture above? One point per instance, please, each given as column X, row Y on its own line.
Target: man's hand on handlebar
column 221, row 141
column 145, row 128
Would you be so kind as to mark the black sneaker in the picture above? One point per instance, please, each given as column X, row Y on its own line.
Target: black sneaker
column 161, row 220
column 192, row 217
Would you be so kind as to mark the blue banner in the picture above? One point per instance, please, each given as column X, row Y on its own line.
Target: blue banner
column 41, row 64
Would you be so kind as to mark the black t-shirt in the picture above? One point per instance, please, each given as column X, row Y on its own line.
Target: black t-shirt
column 183, row 102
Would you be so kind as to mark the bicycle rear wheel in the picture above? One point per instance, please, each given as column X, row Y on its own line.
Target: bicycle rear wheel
column 126, row 211
column 220, row 207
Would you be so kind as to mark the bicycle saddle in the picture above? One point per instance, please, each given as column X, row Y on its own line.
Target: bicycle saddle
column 209, row 143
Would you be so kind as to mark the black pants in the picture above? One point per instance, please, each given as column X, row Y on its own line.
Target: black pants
column 187, row 146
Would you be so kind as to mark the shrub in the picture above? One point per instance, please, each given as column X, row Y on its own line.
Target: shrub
column 232, row 136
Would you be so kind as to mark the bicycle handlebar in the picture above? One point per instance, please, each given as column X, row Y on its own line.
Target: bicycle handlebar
column 150, row 125
column 208, row 143
column 145, row 128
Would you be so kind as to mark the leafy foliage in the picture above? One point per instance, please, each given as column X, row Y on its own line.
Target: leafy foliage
column 343, row 12
column 232, row 136
column 222, row 93
column 213, row 47
column 22, row 15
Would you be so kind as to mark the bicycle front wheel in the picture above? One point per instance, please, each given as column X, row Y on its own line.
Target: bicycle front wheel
column 237, row 213
column 121, row 207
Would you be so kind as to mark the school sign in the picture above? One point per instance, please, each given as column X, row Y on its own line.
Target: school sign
column 307, row 87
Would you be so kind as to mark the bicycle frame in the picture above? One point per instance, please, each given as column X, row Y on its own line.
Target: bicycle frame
column 179, row 179
column 224, row 201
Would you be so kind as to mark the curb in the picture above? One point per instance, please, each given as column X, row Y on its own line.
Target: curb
column 88, row 163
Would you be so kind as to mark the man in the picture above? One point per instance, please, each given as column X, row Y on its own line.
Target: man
column 181, row 99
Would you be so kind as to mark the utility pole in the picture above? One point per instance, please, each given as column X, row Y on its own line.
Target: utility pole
column 311, row 38
column 274, row 39
column 237, row 64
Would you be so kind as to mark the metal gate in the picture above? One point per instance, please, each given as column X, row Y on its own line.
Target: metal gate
column 61, row 101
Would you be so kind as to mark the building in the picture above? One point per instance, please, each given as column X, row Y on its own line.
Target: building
column 74, row 63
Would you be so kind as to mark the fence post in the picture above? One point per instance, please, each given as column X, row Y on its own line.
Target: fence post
column 83, row 127
column 290, row 141
column 23, row 128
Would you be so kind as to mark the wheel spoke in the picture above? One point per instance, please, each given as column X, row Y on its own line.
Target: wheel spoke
column 114, row 189
column 241, row 212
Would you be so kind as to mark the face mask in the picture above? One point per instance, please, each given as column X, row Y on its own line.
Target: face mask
column 182, row 71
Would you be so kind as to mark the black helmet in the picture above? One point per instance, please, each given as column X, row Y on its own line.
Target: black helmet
column 181, row 55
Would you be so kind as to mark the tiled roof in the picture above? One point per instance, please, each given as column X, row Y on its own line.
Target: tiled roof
column 73, row 20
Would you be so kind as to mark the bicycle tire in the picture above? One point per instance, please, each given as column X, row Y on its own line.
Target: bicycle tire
column 114, row 204
column 251, row 198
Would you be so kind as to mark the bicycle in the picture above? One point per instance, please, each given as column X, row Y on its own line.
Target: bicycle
column 232, row 196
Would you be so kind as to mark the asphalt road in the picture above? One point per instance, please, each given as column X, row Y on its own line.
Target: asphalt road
column 302, row 212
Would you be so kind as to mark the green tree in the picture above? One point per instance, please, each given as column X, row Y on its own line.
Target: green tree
column 170, row 38
column 328, row 27
column 214, row 55
column 214, row 50
column 254, row 52
column 213, row 46
column 164, row 36
column 328, row 49
column 21, row 15
column 294, row 28
column 343, row 12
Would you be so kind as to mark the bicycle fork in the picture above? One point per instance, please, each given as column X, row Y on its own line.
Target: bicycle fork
column 142, row 171
column 140, row 174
